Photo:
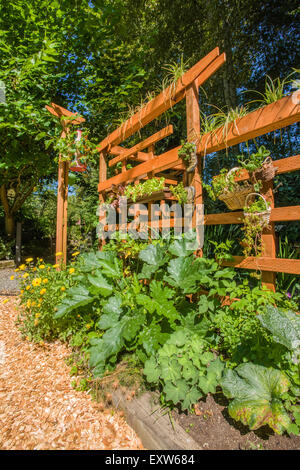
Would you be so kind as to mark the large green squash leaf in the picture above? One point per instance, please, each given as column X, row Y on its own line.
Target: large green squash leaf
column 256, row 393
column 284, row 326
column 154, row 255
column 183, row 274
column 101, row 286
column 77, row 296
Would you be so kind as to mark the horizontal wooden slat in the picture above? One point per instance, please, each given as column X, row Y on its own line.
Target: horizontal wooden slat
column 280, row 265
column 59, row 111
column 278, row 214
column 160, row 163
column 261, row 121
column 153, row 139
column 165, row 100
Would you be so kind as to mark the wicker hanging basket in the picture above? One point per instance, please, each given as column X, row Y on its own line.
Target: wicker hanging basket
column 266, row 172
column 262, row 217
column 236, row 199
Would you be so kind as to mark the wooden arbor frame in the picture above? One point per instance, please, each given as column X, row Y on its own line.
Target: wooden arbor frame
column 261, row 121
column 62, row 188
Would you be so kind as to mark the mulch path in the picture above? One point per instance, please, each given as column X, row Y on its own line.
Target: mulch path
column 39, row 409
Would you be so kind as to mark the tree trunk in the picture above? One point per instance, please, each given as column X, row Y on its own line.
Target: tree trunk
column 9, row 225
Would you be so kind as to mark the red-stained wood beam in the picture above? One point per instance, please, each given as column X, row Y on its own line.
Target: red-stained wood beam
column 59, row 111
column 142, row 145
column 166, row 99
column 162, row 162
column 278, row 214
column 261, row 121
column 280, row 265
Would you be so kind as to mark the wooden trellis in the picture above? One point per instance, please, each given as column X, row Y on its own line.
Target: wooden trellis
column 261, row 121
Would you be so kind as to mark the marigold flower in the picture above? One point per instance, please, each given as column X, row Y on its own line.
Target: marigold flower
column 16, row 270
column 38, row 314
column 12, row 278
column 36, row 322
column 28, row 303
column 59, row 253
column 25, row 275
column 71, row 270
column 28, row 287
column 45, row 281
column 63, row 288
column 22, row 267
column 36, row 282
column 22, row 291
column 55, row 265
column 28, row 260
column 41, row 266
column 42, row 291
column 76, row 253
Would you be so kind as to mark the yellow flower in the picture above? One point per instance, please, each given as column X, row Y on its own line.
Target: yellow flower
column 88, row 326
column 42, row 291
column 63, row 288
column 59, row 253
column 36, row 322
column 25, row 275
column 37, row 315
column 27, row 337
column 28, row 260
column 39, row 305
column 22, row 291
column 33, row 303
column 28, row 303
column 12, row 278
column 41, row 266
column 16, row 270
column 76, row 253
column 36, row 282
column 5, row 301
column 22, row 267
column 41, row 299
column 28, row 287
column 34, row 269
column 71, row 270
column 56, row 266
column 45, row 281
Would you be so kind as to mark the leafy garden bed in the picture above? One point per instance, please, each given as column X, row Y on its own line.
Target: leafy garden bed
column 146, row 302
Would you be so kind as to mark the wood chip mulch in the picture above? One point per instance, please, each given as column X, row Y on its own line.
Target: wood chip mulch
column 39, row 409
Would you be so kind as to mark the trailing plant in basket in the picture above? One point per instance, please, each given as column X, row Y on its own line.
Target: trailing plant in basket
column 222, row 184
column 255, row 161
column 253, row 227
column 180, row 193
column 150, row 186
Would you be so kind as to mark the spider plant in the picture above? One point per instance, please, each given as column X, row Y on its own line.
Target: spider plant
column 274, row 89
column 175, row 70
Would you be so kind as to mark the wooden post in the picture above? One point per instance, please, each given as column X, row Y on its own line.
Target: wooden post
column 62, row 209
column 268, row 239
column 193, row 134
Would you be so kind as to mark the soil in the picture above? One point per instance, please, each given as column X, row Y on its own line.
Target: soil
column 214, row 429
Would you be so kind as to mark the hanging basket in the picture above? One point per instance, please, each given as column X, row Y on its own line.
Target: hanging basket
column 262, row 217
column 266, row 172
column 236, row 199
column 77, row 166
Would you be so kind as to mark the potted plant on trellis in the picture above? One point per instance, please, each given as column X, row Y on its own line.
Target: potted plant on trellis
column 256, row 219
column 225, row 188
column 259, row 165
